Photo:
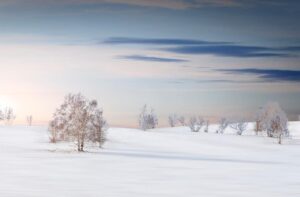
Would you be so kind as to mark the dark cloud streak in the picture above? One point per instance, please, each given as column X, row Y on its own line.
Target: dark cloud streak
column 267, row 74
column 200, row 47
column 229, row 51
column 151, row 58
column 158, row 41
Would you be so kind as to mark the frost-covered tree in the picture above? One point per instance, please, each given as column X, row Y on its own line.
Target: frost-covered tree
column 240, row 126
column 172, row 120
column 56, row 129
column 78, row 120
column 8, row 115
column 278, row 126
column 29, row 120
column 181, row 120
column 99, row 126
column 147, row 119
column 206, row 126
column 223, row 124
column 195, row 123
column 275, row 121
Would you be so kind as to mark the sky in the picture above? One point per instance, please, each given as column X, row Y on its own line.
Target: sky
column 214, row 58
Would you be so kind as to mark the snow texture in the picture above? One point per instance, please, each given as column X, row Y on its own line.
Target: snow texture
column 172, row 162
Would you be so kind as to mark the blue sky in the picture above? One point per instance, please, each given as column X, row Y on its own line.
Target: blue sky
column 213, row 58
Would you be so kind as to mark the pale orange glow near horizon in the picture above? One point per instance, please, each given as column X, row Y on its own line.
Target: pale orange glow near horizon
column 36, row 82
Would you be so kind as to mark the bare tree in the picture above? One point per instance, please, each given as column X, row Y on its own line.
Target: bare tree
column 275, row 121
column 223, row 124
column 99, row 127
column 272, row 111
column 259, row 116
column 60, row 123
column 195, row 123
column 56, row 130
column 147, row 120
column 8, row 115
column 181, row 120
column 29, row 120
column 240, row 126
column 278, row 126
column 172, row 120
column 77, row 119
column 272, row 119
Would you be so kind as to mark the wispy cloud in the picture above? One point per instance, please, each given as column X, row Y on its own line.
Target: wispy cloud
column 158, row 41
column 290, row 49
column 168, row 4
column 232, row 51
column 267, row 74
column 214, row 81
column 151, row 58
column 201, row 47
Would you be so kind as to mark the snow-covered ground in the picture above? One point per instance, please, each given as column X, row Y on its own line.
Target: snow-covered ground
column 161, row 162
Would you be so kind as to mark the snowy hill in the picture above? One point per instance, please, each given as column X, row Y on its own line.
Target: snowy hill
column 160, row 162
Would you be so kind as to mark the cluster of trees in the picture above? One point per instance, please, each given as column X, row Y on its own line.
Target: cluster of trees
column 81, row 120
column 195, row 123
column 147, row 118
column 175, row 120
column 7, row 115
column 78, row 120
column 270, row 119
column 240, row 126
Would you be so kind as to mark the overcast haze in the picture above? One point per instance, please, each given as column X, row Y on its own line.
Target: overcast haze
column 188, row 57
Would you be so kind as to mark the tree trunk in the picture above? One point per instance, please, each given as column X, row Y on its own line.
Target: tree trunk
column 279, row 138
column 99, row 140
column 81, row 147
column 82, row 144
column 78, row 143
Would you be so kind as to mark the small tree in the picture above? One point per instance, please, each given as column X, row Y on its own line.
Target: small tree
column 240, row 126
column 223, row 124
column 147, row 120
column 272, row 111
column 56, row 130
column 172, row 120
column 259, row 118
column 78, row 120
column 275, row 121
column 278, row 126
column 99, row 126
column 195, row 123
column 8, row 115
column 29, row 120
column 181, row 120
